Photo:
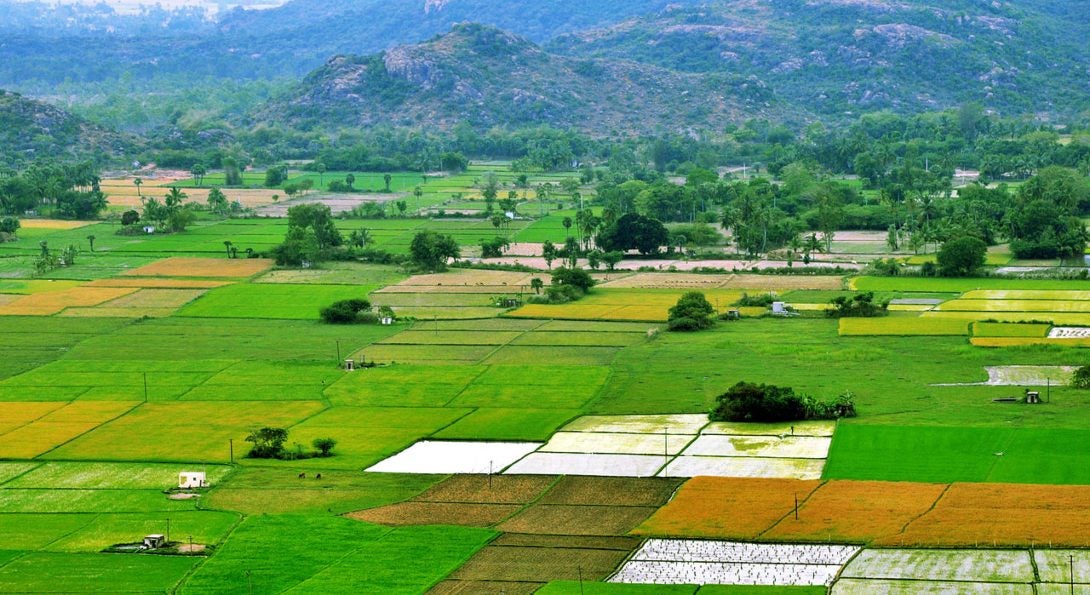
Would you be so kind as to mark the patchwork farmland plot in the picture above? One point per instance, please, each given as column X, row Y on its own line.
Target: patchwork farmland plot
column 662, row 561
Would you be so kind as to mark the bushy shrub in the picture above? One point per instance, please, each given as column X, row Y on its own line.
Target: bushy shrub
column 692, row 312
column 861, row 305
column 348, row 312
column 762, row 300
column 1081, row 378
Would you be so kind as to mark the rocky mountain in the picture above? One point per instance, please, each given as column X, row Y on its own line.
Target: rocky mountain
column 31, row 129
column 837, row 56
column 489, row 77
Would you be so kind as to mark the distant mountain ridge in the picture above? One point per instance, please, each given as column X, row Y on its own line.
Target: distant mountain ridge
column 489, row 77
column 833, row 56
column 31, row 129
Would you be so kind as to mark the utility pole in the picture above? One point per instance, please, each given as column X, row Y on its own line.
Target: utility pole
column 145, row 387
column 231, row 445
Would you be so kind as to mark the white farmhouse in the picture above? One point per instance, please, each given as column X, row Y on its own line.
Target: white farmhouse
column 192, row 479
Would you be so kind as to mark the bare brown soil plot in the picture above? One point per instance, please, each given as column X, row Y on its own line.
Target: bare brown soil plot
column 558, row 519
column 452, row 587
column 740, row 508
column 480, row 489
column 537, row 565
column 857, row 511
column 617, row 491
column 437, row 513
column 593, row 542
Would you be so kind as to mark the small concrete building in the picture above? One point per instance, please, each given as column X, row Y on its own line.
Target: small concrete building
column 192, row 479
column 154, row 541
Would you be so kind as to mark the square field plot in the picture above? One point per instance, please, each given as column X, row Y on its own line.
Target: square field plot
column 616, row 465
column 639, row 424
column 800, row 428
column 455, row 457
column 991, row 566
column 854, row 586
column 681, row 561
column 788, row 447
column 203, row 267
column 632, row 444
column 694, row 466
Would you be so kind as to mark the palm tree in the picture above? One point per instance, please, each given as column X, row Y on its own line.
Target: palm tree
column 228, row 244
column 536, row 284
column 567, row 225
column 137, row 182
column 91, row 240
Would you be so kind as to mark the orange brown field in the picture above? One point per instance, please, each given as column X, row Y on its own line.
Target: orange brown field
column 727, row 507
column 1003, row 514
column 47, row 304
column 158, row 283
column 203, row 267
column 857, row 511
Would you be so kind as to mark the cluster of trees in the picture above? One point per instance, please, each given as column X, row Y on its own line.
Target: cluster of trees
column 354, row 311
column 860, row 305
column 65, row 191
column 766, row 403
column 268, row 443
column 568, row 285
column 312, row 236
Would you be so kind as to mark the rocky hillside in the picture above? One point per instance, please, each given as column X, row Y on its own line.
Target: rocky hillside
column 488, row 77
column 32, row 129
column 836, row 56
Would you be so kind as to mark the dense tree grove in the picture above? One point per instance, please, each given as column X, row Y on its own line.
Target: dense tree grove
column 66, row 191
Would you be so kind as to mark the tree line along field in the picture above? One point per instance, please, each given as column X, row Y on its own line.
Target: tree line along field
column 147, row 359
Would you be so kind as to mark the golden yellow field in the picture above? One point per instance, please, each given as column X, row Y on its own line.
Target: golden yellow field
column 202, row 267
column 52, row 224
column 159, row 283
column 123, row 193
column 154, row 303
column 47, row 304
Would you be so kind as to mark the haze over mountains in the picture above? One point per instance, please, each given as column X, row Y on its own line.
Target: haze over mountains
column 609, row 67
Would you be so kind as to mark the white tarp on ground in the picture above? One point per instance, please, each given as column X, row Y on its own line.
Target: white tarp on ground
column 455, row 457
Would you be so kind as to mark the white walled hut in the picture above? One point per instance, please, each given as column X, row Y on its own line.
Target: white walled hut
column 192, row 479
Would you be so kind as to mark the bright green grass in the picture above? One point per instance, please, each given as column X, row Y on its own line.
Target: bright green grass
column 947, row 454
column 338, row 491
column 526, row 396
column 265, row 300
column 367, row 435
column 34, row 531
column 557, row 355
column 332, row 555
column 93, row 573
column 426, row 337
column 117, row 476
column 69, row 501
column 952, row 285
column 890, row 376
column 994, row 329
column 402, row 386
column 32, row 341
column 102, row 531
column 427, row 354
column 183, row 431
column 903, row 326
column 229, row 339
column 518, row 424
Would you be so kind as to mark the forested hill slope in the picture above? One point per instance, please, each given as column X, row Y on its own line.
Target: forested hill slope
column 488, row 77
column 836, row 56
column 289, row 40
column 31, row 129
